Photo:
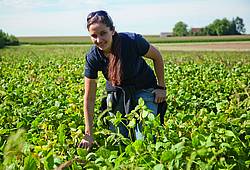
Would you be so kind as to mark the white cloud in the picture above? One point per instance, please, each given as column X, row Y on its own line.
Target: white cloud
column 42, row 24
column 20, row 4
column 30, row 17
column 8, row 5
column 66, row 17
column 159, row 17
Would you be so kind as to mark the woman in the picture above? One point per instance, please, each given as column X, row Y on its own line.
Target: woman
column 119, row 57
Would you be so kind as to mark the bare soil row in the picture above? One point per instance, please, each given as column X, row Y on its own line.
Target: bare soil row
column 215, row 46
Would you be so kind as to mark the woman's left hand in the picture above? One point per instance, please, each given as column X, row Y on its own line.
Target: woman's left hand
column 160, row 95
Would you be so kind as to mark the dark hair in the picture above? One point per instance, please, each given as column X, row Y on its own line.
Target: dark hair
column 100, row 17
column 115, row 73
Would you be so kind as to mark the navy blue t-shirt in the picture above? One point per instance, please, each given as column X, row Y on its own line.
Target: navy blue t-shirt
column 136, row 71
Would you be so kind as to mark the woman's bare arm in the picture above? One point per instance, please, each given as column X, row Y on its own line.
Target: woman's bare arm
column 89, row 103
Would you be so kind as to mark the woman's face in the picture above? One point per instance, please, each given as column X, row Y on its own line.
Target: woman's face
column 101, row 36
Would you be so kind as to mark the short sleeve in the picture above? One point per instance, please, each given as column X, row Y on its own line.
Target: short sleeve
column 141, row 44
column 90, row 69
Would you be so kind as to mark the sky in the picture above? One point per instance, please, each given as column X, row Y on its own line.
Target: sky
column 147, row 17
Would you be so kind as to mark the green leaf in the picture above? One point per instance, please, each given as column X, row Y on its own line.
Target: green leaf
column 209, row 142
column 29, row 163
column 247, row 137
column 139, row 146
column 132, row 123
column 57, row 103
column 225, row 145
column 3, row 131
column 158, row 145
column 144, row 113
column 158, row 167
column 82, row 153
column 117, row 119
column 129, row 150
column 141, row 102
column 49, row 161
column 229, row 133
column 26, row 148
column 151, row 116
column 61, row 135
column 99, row 160
column 195, row 141
column 191, row 160
column 247, row 162
column 167, row 156
column 113, row 156
column 91, row 156
column 103, row 152
column 202, row 152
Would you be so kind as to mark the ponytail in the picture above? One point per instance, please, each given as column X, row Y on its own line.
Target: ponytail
column 115, row 67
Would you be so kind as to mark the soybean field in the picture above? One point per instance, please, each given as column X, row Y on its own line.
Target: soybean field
column 207, row 122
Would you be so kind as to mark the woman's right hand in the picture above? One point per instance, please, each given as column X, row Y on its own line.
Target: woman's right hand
column 87, row 142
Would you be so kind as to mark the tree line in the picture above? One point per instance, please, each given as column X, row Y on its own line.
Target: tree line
column 6, row 39
column 218, row 27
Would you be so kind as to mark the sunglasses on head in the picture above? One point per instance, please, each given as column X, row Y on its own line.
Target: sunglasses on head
column 97, row 13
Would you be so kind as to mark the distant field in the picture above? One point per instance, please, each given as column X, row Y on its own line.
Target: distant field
column 55, row 40
column 205, row 46
column 188, row 39
column 150, row 38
